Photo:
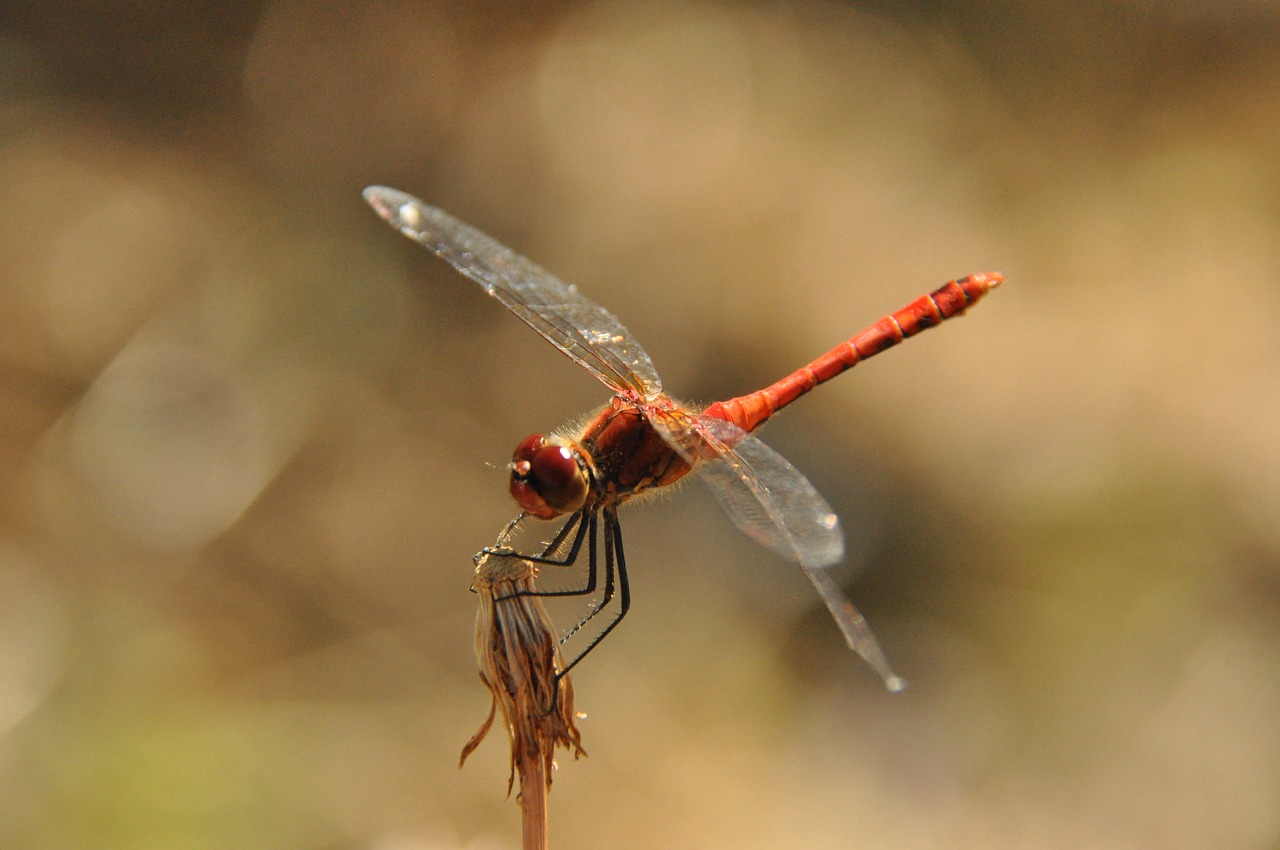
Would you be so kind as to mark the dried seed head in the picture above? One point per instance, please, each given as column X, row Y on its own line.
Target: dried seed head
column 519, row 656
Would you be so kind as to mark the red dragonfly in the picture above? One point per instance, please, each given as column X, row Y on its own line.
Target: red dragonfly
column 643, row 439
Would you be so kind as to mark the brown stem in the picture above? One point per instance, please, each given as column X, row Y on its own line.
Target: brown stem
column 533, row 804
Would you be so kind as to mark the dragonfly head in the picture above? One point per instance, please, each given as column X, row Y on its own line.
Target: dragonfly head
column 548, row 478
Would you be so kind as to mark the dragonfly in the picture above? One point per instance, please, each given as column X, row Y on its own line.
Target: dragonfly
column 643, row 439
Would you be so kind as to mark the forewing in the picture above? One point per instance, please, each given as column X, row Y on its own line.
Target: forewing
column 579, row 327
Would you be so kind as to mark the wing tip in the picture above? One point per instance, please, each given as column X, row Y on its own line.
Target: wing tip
column 389, row 203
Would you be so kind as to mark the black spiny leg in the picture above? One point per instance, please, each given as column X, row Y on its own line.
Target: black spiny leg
column 575, row 525
column 581, row 525
column 585, row 525
column 592, row 573
column 612, row 551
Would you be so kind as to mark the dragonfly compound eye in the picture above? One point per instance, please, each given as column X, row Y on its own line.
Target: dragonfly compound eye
column 546, row 479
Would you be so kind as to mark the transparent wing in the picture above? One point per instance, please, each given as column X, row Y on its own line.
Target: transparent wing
column 775, row 505
column 764, row 495
column 572, row 323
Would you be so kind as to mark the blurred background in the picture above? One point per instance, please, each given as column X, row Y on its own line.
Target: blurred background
column 251, row 437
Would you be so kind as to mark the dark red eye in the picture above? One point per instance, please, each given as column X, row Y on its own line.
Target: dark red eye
column 528, row 447
column 546, row 479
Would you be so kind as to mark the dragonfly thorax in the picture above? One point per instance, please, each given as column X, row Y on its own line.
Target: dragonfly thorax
column 548, row 478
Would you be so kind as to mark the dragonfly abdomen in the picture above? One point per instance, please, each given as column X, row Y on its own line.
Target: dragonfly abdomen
column 750, row 411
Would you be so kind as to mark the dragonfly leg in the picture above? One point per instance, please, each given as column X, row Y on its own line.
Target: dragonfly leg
column 592, row 576
column 613, row 557
column 576, row 525
column 582, row 526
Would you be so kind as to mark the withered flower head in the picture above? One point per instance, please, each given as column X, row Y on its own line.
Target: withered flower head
column 519, row 656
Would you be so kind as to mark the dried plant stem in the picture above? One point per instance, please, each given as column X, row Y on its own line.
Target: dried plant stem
column 533, row 806
column 519, row 656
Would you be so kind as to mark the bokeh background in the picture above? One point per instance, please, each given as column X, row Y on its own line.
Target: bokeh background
column 251, row 437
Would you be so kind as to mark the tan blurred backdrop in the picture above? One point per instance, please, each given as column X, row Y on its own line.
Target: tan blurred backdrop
column 251, row 437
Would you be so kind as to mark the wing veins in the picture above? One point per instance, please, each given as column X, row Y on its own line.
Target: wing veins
column 582, row 329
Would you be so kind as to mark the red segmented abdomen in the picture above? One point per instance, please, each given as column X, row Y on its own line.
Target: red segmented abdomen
column 748, row 412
